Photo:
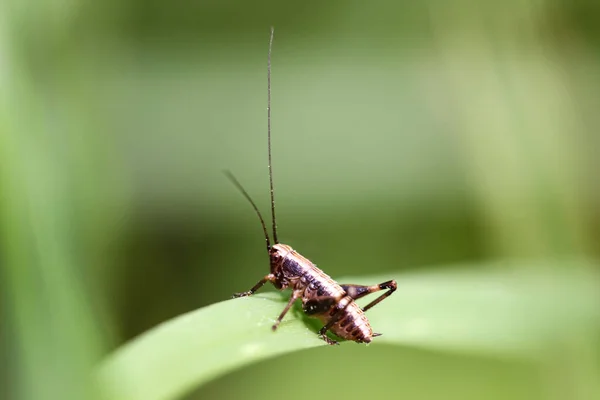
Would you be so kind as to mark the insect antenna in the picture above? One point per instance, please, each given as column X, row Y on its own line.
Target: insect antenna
column 247, row 196
column 239, row 185
column 269, row 137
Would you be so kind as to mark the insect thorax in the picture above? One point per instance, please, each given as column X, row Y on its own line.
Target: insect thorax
column 287, row 265
column 294, row 270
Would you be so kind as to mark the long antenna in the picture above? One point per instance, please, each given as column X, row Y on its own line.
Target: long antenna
column 239, row 185
column 269, row 137
column 247, row 196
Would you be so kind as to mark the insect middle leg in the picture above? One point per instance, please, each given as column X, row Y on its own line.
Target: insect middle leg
column 295, row 296
column 322, row 305
column 268, row 278
column 339, row 313
column 358, row 291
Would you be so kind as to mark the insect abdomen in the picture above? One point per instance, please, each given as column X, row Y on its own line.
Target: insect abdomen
column 353, row 324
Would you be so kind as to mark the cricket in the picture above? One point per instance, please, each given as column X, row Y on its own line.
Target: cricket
column 322, row 297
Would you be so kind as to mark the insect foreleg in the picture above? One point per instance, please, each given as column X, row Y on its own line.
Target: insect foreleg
column 295, row 296
column 358, row 291
column 268, row 278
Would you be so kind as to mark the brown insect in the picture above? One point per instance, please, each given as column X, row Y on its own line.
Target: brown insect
column 321, row 296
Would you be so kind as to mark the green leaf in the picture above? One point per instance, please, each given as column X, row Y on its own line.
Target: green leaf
column 506, row 313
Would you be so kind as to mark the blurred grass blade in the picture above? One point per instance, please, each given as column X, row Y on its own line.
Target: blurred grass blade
column 491, row 313
column 49, row 328
column 195, row 347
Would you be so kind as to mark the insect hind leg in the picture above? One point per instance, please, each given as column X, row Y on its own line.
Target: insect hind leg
column 359, row 291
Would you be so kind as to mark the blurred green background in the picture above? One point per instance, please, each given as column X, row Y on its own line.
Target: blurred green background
column 407, row 136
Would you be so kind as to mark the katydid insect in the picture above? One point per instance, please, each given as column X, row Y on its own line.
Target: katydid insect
column 321, row 296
